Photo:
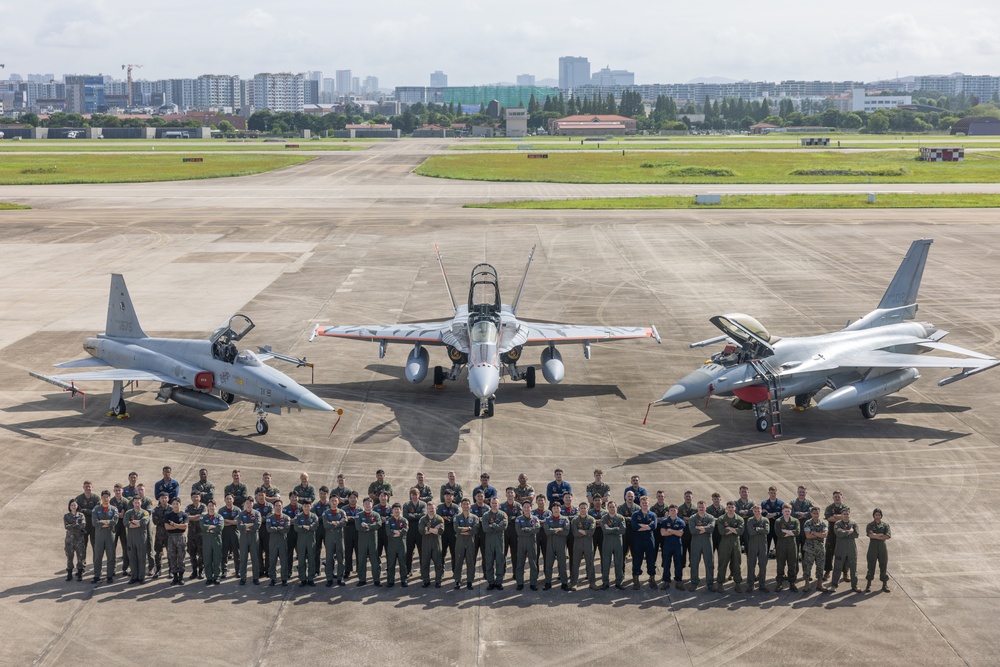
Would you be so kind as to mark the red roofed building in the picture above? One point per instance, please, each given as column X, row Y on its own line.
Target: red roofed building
column 591, row 125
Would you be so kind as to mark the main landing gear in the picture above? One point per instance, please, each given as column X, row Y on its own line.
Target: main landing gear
column 528, row 374
column 490, row 406
column 118, row 408
column 261, row 419
column 869, row 409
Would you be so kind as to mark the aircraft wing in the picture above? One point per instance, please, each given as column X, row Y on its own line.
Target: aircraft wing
column 113, row 374
column 540, row 333
column 86, row 362
column 883, row 359
column 425, row 333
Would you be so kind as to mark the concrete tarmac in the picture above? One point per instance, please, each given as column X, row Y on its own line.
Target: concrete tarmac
column 929, row 460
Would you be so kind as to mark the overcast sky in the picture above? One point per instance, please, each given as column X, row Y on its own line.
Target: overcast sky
column 402, row 42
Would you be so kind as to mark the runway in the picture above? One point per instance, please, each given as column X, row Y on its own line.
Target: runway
column 379, row 178
column 348, row 239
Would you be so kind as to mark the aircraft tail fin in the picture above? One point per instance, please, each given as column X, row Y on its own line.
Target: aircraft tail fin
column 524, row 279
column 122, row 320
column 905, row 284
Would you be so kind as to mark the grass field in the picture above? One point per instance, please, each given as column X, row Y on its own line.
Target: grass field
column 48, row 169
column 721, row 167
column 886, row 200
column 6, row 206
column 176, row 145
column 725, row 142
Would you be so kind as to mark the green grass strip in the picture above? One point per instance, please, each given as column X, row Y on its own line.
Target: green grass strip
column 131, row 168
column 7, row 206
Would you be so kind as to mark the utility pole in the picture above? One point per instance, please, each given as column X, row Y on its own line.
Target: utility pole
column 129, row 90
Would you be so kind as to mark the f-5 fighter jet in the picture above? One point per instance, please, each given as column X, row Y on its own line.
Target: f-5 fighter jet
column 876, row 356
column 202, row 374
column 487, row 337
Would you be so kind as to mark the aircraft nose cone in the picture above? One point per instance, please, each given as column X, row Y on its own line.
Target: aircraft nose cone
column 310, row 401
column 484, row 380
column 695, row 385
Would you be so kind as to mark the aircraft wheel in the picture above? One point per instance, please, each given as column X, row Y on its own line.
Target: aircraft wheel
column 529, row 377
column 261, row 427
column 227, row 397
column 869, row 409
column 490, row 403
column 119, row 409
column 763, row 424
column 478, row 409
column 438, row 376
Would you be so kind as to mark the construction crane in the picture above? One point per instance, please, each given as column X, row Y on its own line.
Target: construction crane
column 129, row 91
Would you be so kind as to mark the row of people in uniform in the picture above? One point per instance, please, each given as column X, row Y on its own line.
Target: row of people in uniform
column 266, row 533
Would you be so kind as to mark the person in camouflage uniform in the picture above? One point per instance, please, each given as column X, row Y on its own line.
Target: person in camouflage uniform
column 194, row 544
column 160, row 538
column 757, row 529
column 814, row 549
column 76, row 540
column 878, row 532
column 730, row 528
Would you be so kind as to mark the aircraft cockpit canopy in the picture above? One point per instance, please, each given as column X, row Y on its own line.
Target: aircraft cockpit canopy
column 484, row 290
column 747, row 332
column 483, row 331
column 224, row 338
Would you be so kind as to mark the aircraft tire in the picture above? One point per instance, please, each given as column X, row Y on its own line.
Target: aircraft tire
column 529, row 377
column 869, row 409
column 121, row 408
column 478, row 408
column 763, row 424
column 261, row 427
column 490, row 404
column 438, row 376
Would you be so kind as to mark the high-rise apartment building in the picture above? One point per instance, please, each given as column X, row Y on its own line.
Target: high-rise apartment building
column 278, row 92
column 574, row 71
column 217, row 91
column 343, row 82
column 439, row 79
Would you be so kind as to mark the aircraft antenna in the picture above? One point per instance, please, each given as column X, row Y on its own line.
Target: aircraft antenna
column 524, row 279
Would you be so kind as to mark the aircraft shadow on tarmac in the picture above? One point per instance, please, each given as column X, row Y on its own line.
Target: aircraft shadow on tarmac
column 433, row 421
column 733, row 431
column 153, row 425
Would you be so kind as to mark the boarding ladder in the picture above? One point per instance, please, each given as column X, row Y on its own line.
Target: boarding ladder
column 770, row 377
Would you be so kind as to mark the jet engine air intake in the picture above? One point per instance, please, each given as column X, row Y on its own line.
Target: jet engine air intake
column 511, row 356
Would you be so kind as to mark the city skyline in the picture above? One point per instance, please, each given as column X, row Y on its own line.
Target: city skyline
column 402, row 44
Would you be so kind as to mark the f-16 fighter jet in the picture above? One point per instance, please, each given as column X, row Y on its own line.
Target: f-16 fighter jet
column 876, row 356
column 202, row 374
column 485, row 336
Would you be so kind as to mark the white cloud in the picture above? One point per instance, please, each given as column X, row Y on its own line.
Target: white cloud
column 255, row 18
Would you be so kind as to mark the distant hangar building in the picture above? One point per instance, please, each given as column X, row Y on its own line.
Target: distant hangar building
column 977, row 126
column 592, row 125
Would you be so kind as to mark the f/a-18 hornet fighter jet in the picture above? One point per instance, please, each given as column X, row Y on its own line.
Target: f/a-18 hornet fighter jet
column 873, row 357
column 202, row 374
column 486, row 336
